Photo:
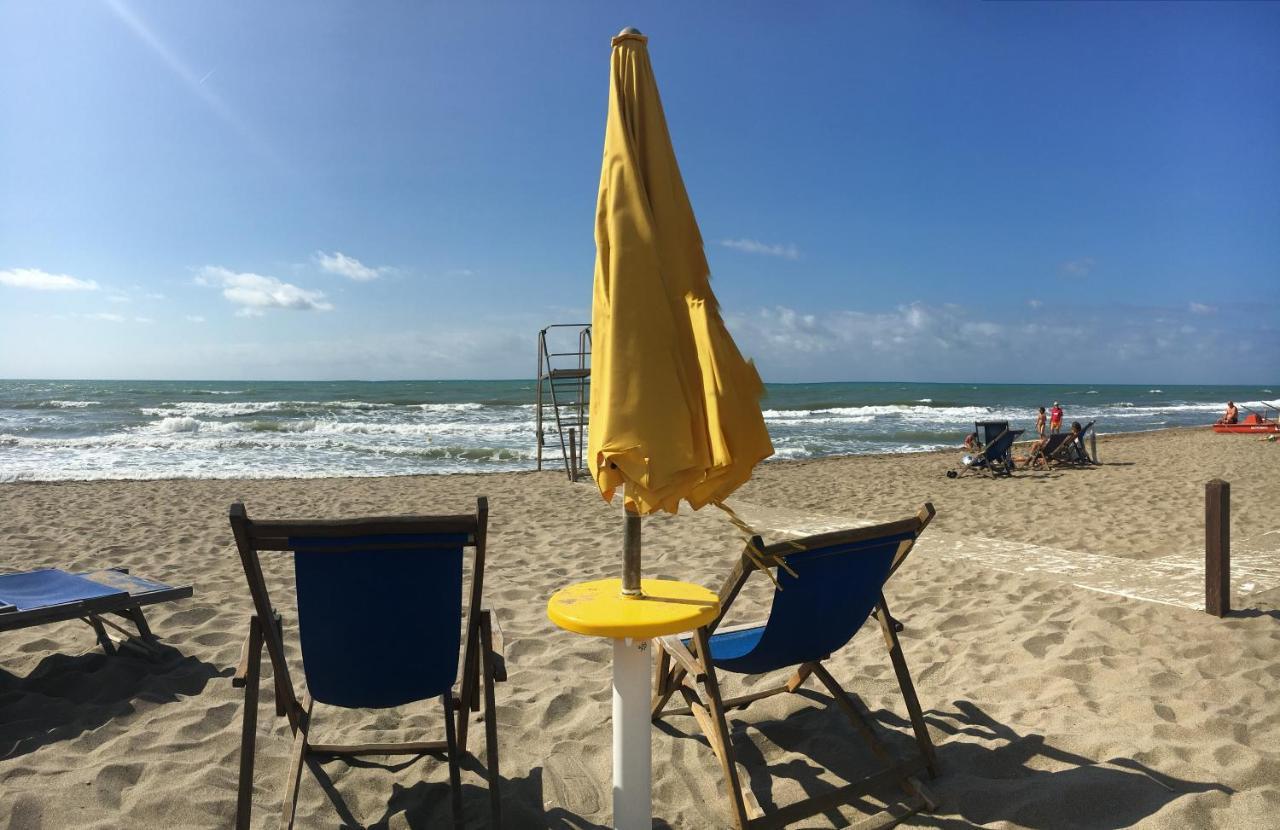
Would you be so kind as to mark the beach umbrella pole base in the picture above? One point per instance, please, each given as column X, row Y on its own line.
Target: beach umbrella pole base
column 632, row 751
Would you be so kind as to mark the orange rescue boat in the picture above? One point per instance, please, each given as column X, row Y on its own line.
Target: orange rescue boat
column 1253, row 424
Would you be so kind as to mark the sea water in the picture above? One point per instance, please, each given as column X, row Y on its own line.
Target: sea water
column 71, row 430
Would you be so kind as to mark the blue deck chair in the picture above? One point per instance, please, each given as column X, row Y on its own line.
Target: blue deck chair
column 51, row 595
column 826, row 588
column 995, row 459
column 380, row 625
column 989, row 431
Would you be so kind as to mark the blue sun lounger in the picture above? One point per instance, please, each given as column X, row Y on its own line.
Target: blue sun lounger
column 50, row 595
column 827, row 586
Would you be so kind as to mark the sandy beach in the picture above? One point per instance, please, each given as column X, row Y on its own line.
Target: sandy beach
column 1068, row 677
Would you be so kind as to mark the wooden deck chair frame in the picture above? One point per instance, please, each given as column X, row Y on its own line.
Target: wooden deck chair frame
column 482, row 658
column 683, row 670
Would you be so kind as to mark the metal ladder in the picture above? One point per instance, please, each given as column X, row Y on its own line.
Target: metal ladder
column 564, row 388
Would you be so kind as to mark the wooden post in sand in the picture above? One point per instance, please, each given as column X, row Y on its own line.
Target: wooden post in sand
column 1217, row 548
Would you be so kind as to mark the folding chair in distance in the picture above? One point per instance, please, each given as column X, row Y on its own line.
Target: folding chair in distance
column 996, row 458
column 379, row 621
column 51, row 595
column 826, row 587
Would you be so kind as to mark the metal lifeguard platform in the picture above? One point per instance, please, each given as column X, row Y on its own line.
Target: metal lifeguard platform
column 564, row 389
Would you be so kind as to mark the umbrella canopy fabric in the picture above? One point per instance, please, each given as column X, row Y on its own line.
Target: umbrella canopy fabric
column 675, row 408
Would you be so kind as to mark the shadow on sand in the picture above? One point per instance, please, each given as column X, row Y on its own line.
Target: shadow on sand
column 68, row 695
column 426, row 803
column 986, row 770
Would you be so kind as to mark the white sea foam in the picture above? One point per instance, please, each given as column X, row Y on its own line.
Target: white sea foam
column 72, row 404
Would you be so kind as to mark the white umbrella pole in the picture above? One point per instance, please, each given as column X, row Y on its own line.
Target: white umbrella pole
column 632, row 804
column 632, row 801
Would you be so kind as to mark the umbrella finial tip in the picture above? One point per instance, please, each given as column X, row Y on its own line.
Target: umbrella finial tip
column 630, row 30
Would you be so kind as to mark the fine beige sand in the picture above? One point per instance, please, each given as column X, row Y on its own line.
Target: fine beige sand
column 1056, row 697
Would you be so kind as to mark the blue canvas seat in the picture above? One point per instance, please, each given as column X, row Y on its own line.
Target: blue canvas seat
column 50, row 595
column 380, row 610
column 826, row 587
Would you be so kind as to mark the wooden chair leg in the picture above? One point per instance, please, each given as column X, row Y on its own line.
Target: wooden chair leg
column 455, row 774
column 296, row 758
column 923, row 741
column 668, row 679
column 490, row 722
column 720, row 737
column 249, row 730
column 467, row 692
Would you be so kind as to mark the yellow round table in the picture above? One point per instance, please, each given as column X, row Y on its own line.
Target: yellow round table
column 600, row 609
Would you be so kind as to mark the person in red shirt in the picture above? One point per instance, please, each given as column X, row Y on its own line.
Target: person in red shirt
column 1055, row 418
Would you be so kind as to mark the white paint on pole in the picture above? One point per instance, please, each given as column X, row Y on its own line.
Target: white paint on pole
column 632, row 806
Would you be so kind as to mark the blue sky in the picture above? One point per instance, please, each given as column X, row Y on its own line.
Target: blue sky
column 892, row 191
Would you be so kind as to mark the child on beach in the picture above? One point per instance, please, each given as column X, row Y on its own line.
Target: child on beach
column 1040, row 423
column 1055, row 418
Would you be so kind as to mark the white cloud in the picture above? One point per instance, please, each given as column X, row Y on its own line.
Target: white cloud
column 143, row 320
column 194, row 318
column 753, row 246
column 43, row 281
column 1201, row 308
column 118, row 298
column 254, row 293
column 1035, row 303
column 105, row 315
column 1078, row 267
column 347, row 266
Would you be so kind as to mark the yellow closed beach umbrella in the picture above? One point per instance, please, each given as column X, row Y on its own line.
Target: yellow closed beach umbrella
column 675, row 408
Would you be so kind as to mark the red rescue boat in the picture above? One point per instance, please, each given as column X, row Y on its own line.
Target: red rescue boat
column 1254, row 423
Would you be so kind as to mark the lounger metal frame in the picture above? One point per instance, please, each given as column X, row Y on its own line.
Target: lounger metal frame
column 683, row 670
column 93, row 611
column 482, row 657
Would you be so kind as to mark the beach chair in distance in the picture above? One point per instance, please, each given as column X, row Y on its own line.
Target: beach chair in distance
column 1055, row 449
column 989, row 431
column 996, row 458
column 380, row 625
column 827, row 586
column 1081, row 453
column 51, row 595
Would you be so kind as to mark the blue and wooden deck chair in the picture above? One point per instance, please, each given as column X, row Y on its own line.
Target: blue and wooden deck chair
column 989, row 431
column 380, row 625
column 826, row 588
column 51, row 595
column 995, row 459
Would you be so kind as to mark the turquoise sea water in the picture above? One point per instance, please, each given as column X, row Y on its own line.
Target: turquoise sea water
column 60, row 430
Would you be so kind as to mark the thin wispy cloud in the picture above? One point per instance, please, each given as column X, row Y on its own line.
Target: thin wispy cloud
column 1035, row 303
column 38, row 280
column 755, row 246
column 105, row 315
column 346, row 266
column 194, row 318
column 255, row 294
column 1201, row 308
column 1078, row 267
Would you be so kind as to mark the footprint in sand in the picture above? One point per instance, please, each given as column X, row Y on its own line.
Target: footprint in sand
column 567, row 784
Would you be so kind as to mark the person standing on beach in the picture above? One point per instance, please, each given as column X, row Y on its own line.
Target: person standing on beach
column 1040, row 423
column 1055, row 418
